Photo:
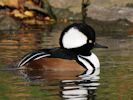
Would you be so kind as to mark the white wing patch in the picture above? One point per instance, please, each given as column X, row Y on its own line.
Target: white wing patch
column 29, row 57
column 73, row 39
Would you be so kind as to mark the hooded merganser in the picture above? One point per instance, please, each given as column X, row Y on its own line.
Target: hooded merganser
column 76, row 41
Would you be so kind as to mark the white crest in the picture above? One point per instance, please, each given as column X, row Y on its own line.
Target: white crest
column 92, row 58
column 73, row 38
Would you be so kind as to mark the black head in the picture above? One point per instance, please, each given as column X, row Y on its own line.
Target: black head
column 78, row 37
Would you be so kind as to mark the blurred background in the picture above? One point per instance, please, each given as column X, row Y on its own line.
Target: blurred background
column 27, row 25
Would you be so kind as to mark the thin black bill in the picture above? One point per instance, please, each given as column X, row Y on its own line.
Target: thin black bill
column 99, row 46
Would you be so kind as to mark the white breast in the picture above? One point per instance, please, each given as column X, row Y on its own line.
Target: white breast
column 92, row 58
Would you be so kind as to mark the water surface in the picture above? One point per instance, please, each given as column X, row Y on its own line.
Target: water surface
column 113, row 81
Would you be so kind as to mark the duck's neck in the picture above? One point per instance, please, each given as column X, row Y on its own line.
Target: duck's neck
column 90, row 62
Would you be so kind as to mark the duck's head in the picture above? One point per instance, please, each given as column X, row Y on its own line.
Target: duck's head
column 79, row 38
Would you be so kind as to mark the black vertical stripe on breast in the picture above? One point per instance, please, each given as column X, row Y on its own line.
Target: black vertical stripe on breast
column 79, row 62
column 92, row 65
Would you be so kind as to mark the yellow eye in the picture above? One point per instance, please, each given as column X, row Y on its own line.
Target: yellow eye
column 90, row 41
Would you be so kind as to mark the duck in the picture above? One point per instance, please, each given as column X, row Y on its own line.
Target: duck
column 74, row 54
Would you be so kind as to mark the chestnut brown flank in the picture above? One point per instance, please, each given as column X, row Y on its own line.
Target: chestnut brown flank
column 55, row 64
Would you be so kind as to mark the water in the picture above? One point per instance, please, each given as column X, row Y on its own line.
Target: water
column 113, row 81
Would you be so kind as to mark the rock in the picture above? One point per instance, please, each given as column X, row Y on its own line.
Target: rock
column 18, row 14
column 72, row 5
column 33, row 7
column 29, row 13
column 110, row 14
column 66, row 9
column 103, row 10
column 45, row 9
column 8, row 23
column 10, row 3
column 111, row 3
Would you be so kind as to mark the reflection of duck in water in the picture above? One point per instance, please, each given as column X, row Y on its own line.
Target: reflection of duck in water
column 76, row 41
column 67, row 85
column 82, row 89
